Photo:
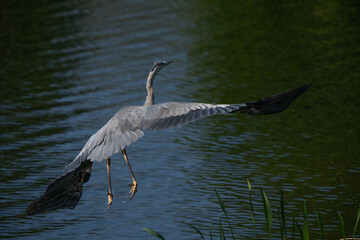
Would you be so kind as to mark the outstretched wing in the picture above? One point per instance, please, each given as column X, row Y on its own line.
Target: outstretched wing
column 129, row 122
column 124, row 128
column 65, row 191
column 173, row 114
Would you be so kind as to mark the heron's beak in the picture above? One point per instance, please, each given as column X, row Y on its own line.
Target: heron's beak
column 167, row 62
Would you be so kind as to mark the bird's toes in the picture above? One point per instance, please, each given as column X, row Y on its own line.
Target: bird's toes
column 110, row 198
column 133, row 190
column 132, row 193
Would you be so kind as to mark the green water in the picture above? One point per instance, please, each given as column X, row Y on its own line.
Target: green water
column 67, row 67
column 263, row 46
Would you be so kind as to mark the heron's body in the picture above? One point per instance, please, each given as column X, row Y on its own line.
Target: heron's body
column 128, row 125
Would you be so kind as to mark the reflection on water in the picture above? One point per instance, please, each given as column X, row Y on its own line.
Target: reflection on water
column 67, row 67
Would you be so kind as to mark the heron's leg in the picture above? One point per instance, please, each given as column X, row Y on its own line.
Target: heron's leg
column 134, row 184
column 110, row 195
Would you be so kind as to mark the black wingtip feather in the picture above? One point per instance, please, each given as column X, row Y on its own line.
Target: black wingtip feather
column 274, row 104
column 64, row 192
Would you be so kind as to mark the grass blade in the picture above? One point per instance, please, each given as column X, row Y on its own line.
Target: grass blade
column 306, row 235
column 224, row 210
column 282, row 236
column 267, row 211
column 357, row 221
column 220, row 202
column 293, row 227
column 283, row 219
column 249, row 185
column 342, row 226
column 318, row 215
column 195, row 228
column 221, row 230
column 252, row 208
column 154, row 233
column 300, row 231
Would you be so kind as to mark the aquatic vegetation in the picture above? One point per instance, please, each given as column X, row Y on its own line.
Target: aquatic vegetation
column 303, row 228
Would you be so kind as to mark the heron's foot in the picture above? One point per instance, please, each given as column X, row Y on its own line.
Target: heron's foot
column 133, row 190
column 110, row 198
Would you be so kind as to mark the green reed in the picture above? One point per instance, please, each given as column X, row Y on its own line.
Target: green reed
column 303, row 228
column 252, row 208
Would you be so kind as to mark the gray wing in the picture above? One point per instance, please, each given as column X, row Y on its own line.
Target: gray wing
column 127, row 124
column 119, row 132
column 65, row 191
column 173, row 114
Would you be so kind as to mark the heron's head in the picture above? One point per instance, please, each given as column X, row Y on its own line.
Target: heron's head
column 158, row 65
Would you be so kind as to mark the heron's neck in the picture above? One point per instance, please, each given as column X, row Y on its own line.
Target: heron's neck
column 150, row 91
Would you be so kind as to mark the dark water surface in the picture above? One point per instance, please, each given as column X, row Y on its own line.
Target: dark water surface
column 67, row 67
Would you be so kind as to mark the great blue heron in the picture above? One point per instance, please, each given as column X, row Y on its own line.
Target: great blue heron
column 127, row 126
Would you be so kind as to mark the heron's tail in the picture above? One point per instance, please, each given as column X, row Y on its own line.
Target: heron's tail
column 65, row 191
column 274, row 104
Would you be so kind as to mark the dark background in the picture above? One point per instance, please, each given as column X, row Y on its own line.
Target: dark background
column 66, row 67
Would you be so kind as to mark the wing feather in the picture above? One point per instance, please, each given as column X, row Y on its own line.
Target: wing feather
column 174, row 114
column 128, row 124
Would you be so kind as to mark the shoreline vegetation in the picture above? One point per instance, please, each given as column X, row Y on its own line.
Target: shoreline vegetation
column 296, row 229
